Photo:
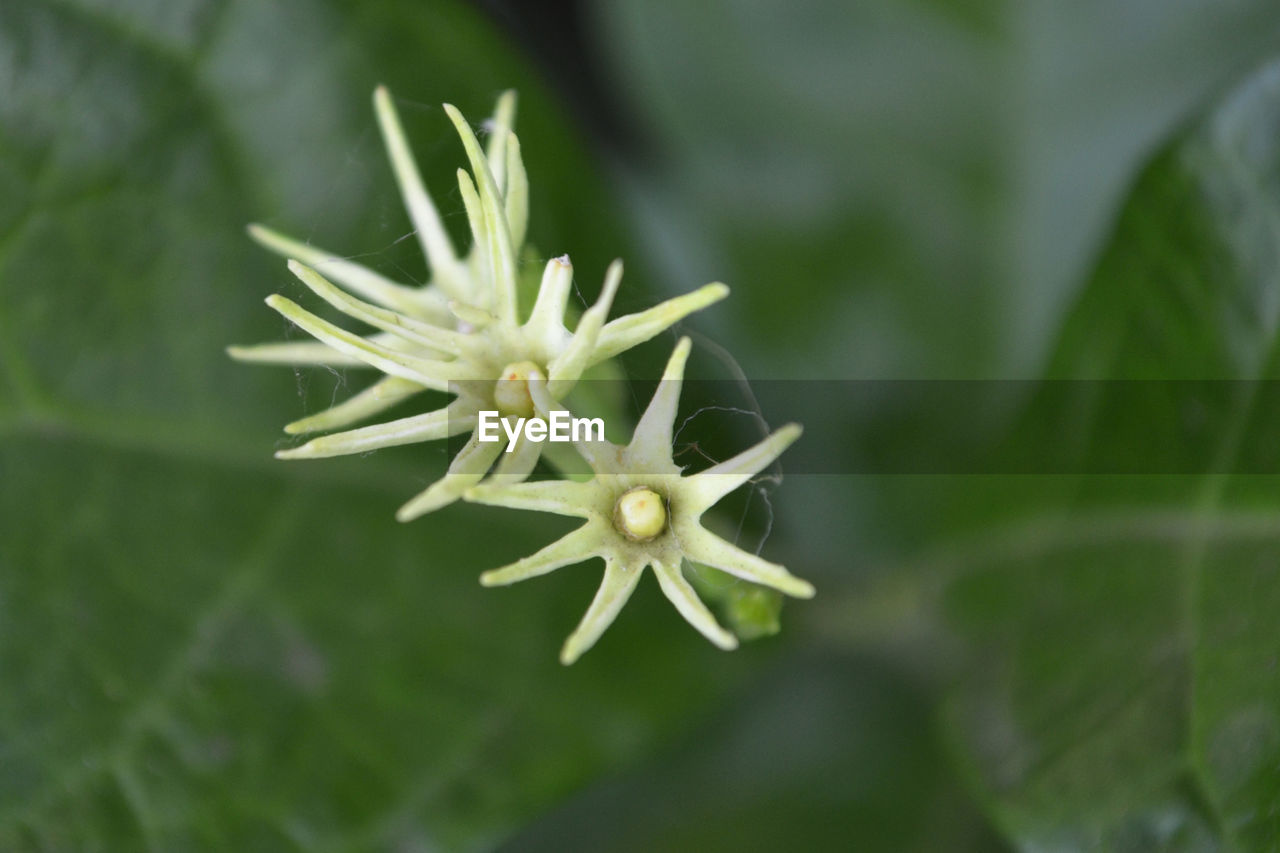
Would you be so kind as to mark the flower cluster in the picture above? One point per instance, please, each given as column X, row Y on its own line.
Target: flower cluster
column 462, row 334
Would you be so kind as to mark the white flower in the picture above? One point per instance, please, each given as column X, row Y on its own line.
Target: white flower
column 461, row 333
column 640, row 511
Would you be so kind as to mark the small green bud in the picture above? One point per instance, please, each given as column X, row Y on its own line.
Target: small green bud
column 511, row 392
column 753, row 611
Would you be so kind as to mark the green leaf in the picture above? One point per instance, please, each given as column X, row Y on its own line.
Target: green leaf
column 822, row 752
column 1124, row 693
column 908, row 187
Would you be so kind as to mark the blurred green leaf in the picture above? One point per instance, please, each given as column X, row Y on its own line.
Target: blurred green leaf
column 903, row 189
column 907, row 187
column 1125, row 688
column 201, row 647
column 918, row 189
column 821, row 753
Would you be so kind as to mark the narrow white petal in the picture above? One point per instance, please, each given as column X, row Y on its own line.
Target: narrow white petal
column 502, row 260
column 433, row 374
column 707, row 487
column 469, row 314
column 571, row 548
column 565, row 369
column 562, row 497
column 517, row 194
column 353, row 276
column 301, row 353
column 444, row 341
column 616, row 588
column 603, row 457
column 481, row 258
column 547, row 316
column 702, row 546
column 680, row 593
column 518, row 464
column 475, row 213
column 429, row 426
column 422, row 210
column 499, row 128
column 652, row 438
column 622, row 334
column 378, row 397
column 295, row 353
column 466, row 469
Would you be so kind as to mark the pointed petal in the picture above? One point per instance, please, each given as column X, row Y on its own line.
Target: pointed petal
column 571, row 548
column 481, row 259
column 466, row 469
column 680, row 593
column 709, row 486
column 499, row 128
column 352, row 276
column 502, row 261
column 442, row 259
column 444, row 341
column 300, row 353
column 603, row 457
column 626, row 332
column 565, row 369
column 616, row 588
column 430, row 426
column 475, row 212
column 515, row 465
column 469, row 314
column 547, row 316
column 433, row 374
column 703, row 546
column 562, row 497
column 378, row 397
column 294, row 353
column 652, row 437
column 517, row 194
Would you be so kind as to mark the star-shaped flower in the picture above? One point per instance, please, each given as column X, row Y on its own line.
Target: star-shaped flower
column 640, row 511
column 451, row 278
column 483, row 352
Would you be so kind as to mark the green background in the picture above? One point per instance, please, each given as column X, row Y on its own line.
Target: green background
column 204, row 648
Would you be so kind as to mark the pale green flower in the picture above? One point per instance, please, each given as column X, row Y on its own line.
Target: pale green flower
column 640, row 511
column 465, row 279
column 461, row 333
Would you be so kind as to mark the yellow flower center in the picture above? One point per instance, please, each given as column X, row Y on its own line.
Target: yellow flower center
column 511, row 392
column 640, row 514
